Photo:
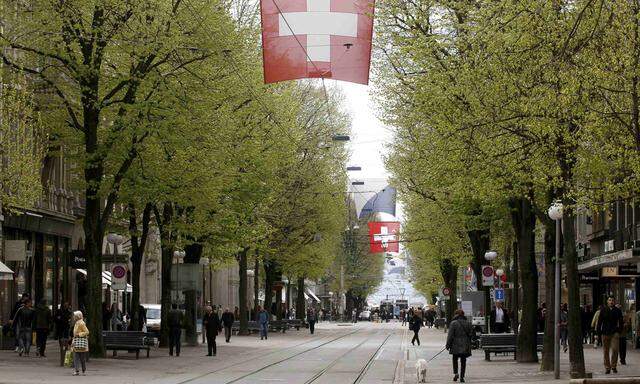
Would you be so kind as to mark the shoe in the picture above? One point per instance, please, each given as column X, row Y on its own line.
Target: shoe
column 413, row 344
column 76, row 373
column 262, row 338
column 208, row 354
column 614, row 370
column 20, row 352
column 455, row 377
column 608, row 371
column 623, row 363
column 462, row 380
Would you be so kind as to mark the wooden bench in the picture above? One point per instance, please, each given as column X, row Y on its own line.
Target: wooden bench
column 127, row 341
column 253, row 326
column 295, row 323
column 504, row 343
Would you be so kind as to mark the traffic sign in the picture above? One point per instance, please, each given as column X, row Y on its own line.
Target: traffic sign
column 119, row 277
column 446, row 291
column 487, row 276
column 499, row 294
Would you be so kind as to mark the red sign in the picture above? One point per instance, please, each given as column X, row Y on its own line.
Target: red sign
column 328, row 39
column 383, row 236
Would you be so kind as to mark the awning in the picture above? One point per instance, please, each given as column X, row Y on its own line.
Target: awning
column 313, row 295
column 106, row 279
column 5, row 272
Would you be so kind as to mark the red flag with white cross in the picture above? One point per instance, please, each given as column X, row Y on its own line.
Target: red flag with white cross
column 328, row 39
column 383, row 236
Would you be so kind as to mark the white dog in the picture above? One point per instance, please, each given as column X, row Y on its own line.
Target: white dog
column 421, row 370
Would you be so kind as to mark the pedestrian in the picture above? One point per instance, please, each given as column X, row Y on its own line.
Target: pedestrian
column 12, row 322
column 312, row 317
column 175, row 319
column 586, row 318
column 25, row 318
column 609, row 326
column 62, row 320
column 211, row 322
column 106, row 316
column 263, row 320
column 638, row 328
column 80, row 344
column 541, row 315
column 499, row 319
column 459, row 343
column 227, row 323
column 594, row 327
column 564, row 322
column 116, row 318
column 430, row 317
column 415, row 324
column 236, row 312
column 625, row 331
column 43, row 322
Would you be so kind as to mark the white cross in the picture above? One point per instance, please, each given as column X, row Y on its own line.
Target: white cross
column 384, row 236
column 319, row 23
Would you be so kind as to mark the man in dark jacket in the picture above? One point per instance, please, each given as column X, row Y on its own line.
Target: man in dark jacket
column 175, row 320
column 312, row 317
column 459, row 343
column 24, row 319
column 227, row 322
column 43, row 323
column 609, row 326
column 213, row 326
column 12, row 322
column 62, row 319
column 499, row 319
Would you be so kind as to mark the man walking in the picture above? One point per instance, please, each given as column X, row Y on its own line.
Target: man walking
column 609, row 327
column 263, row 320
column 499, row 319
column 227, row 322
column 25, row 318
column 211, row 323
column 63, row 329
column 42, row 323
column 312, row 317
column 175, row 320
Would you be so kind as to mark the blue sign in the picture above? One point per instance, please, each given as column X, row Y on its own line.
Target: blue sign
column 499, row 294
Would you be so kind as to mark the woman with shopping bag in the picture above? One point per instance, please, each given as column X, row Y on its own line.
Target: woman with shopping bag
column 80, row 344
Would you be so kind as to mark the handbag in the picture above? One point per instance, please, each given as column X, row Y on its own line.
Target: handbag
column 80, row 344
column 68, row 359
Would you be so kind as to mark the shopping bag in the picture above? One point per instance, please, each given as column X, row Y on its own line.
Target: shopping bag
column 80, row 344
column 68, row 359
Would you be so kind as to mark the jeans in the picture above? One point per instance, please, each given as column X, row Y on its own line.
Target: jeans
column 610, row 343
column 463, row 365
column 264, row 327
column 623, row 349
column 24, row 339
column 312, row 326
column 211, row 343
column 227, row 334
column 564, row 333
column 174, row 340
column 41, row 340
column 80, row 359
column 415, row 336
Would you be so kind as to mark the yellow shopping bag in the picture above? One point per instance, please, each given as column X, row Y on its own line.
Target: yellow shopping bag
column 68, row 359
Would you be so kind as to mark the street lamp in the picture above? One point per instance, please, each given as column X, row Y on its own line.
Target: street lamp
column 490, row 255
column 499, row 273
column 555, row 213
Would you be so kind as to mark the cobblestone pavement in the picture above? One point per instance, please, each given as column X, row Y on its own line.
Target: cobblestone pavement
column 362, row 353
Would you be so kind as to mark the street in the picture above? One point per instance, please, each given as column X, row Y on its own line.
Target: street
column 369, row 353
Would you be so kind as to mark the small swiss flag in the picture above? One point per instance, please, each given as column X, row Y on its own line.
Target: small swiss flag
column 328, row 39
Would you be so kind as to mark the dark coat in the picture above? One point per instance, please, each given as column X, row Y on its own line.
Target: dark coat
column 44, row 319
column 25, row 317
column 175, row 319
column 212, row 323
column 63, row 323
column 610, row 321
column 459, row 337
column 228, row 319
column 505, row 318
column 416, row 323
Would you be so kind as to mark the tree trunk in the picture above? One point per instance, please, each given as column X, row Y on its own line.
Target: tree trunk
column 269, row 273
column 256, row 286
column 524, row 222
column 300, row 299
column 576, row 353
column 550, row 282
column 242, row 293
column 167, row 248
column 138, row 245
column 193, row 253
column 449, row 273
column 480, row 242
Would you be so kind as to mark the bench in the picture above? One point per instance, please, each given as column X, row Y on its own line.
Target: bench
column 504, row 343
column 127, row 341
column 253, row 326
column 295, row 323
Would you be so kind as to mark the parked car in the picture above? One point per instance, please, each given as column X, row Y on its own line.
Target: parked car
column 365, row 315
column 153, row 318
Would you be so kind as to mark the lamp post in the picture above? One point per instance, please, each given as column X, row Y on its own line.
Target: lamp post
column 499, row 273
column 490, row 255
column 555, row 213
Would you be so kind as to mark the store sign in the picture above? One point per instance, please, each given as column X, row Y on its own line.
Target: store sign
column 15, row 250
column 628, row 270
column 589, row 277
column 609, row 271
column 78, row 259
column 487, row 276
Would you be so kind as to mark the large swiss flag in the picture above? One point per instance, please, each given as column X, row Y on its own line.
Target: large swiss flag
column 328, row 39
column 383, row 236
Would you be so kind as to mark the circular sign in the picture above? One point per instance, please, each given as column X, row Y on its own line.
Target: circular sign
column 487, row 271
column 119, row 271
column 446, row 291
